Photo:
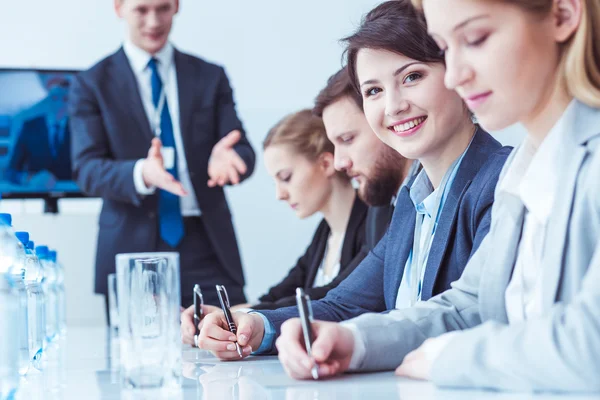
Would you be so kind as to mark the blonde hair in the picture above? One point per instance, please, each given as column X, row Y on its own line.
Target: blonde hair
column 304, row 132
column 580, row 65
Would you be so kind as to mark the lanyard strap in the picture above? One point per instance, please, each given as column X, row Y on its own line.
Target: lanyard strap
column 419, row 254
column 158, row 112
column 162, row 99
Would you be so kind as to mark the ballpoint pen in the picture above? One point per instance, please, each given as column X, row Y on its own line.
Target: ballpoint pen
column 198, row 313
column 306, row 319
column 224, row 300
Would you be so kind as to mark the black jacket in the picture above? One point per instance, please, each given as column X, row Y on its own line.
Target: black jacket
column 361, row 236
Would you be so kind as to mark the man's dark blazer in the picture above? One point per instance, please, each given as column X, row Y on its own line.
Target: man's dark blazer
column 378, row 221
column 110, row 132
column 464, row 222
column 32, row 152
column 304, row 273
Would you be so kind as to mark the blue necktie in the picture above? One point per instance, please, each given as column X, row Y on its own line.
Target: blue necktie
column 54, row 138
column 169, row 211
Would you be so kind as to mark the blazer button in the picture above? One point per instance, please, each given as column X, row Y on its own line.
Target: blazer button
column 151, row 215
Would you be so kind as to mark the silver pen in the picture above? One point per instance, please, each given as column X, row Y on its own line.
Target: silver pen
column 306, row 319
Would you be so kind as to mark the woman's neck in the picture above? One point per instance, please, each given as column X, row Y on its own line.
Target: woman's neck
column 547, row 113
column 338, row 207
column 436, row 165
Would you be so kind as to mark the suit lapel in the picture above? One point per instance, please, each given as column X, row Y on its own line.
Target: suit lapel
column 558, row 224
column 187, row 87
column 318, row 257
column 585, row 126
column 43, row 138
column 476, row 156
column 442, row 236
column 398, row 246
column 506, row 234
column 128, row 90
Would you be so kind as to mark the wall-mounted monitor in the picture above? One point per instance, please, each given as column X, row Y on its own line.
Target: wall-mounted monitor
column 35, row 140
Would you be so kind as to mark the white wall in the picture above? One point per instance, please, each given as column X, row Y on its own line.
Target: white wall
column 277, row 53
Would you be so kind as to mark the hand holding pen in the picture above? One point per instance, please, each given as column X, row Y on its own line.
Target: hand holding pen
column 198, row 312
column 314, row 350
column 224, row 300
column 306, row 320
column 192, row 316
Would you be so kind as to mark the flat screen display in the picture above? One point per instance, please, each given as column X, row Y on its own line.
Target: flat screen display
column 35, row 140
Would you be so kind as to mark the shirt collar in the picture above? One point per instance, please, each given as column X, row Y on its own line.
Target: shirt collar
column 521, row 161
column 139, row 58
column 423, row 194
column 420, row 191
column 413, row 170
column 532, row 176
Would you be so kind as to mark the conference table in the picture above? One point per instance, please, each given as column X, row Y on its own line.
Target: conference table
column 84, row 365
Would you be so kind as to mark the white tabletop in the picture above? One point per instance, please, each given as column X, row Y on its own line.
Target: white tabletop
column 82, row 367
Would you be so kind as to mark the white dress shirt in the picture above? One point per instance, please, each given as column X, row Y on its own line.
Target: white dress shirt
column 535, row 188
column 322, row 279
column 138, row 59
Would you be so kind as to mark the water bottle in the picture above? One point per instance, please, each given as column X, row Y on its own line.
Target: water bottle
column 35, row 301
column 49, row 287
column 9, row 313
column 60, row 285
column 18, row 276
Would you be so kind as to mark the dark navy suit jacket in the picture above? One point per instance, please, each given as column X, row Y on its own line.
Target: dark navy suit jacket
column 110, row 132
column 32, row 151
column 464, row 222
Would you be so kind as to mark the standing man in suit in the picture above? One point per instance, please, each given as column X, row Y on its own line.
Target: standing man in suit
column 156, row 135
column 43, row 143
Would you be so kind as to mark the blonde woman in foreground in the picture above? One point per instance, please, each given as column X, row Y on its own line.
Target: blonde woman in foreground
column 525, row 314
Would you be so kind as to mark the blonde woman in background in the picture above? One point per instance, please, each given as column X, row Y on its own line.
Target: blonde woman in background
column 299, row 157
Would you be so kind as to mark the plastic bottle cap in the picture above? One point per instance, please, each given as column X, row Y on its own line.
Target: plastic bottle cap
column 23, row 237
column 52, row 255
column 31, row 245
column 41, row 251
column 5, row 219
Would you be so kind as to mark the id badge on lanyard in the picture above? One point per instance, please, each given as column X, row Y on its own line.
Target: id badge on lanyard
column 168, row 153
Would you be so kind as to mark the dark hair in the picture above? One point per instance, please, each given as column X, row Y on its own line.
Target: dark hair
column 394, row 26
column 338, row 85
